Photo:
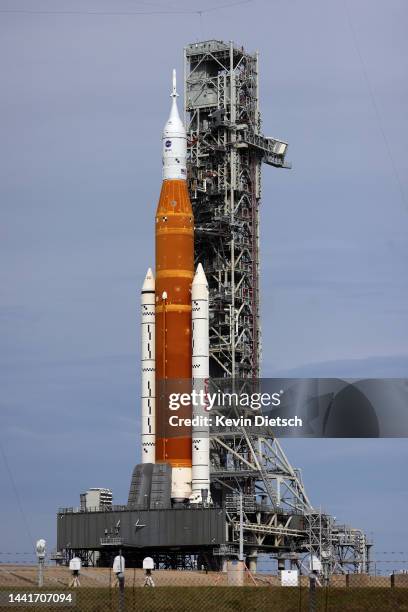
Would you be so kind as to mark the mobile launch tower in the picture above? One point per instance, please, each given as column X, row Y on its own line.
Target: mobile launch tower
column 226, row 152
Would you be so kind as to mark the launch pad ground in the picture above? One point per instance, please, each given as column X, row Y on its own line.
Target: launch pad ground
column 25, row 576
column 184, row 591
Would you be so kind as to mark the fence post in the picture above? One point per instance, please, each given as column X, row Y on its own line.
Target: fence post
column 110, row 589
column 300, row 592
column 122, row 594
column 312, row 593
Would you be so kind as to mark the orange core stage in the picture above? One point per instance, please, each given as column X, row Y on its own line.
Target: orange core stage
column 174, row 276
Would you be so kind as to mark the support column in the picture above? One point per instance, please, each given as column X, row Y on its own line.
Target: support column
column 252, row 560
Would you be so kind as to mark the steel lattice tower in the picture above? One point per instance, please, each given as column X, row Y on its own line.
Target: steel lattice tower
column 226, row 150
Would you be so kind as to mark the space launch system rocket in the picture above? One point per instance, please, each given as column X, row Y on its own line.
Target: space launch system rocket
column 175, row 344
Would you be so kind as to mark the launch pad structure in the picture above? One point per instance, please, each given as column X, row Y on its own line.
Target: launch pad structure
column 226, row 153
column 259, row 500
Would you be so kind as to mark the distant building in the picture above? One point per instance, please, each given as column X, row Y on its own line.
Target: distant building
column 96, row 499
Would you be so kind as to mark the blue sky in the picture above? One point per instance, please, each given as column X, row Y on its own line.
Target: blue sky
column 84, row 99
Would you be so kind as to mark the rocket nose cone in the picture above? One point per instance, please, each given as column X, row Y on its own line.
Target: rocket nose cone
column 149, row 282
column 174, row 125
column 200, row 277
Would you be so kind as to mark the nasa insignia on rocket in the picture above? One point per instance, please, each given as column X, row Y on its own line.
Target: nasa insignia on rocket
column 175, row 334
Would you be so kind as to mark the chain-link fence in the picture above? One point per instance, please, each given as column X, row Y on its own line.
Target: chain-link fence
column 99, row 590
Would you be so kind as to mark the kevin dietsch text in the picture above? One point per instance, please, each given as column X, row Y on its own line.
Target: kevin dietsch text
column 223, row 421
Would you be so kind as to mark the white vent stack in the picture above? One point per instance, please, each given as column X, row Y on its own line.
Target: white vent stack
column 148, row 366
column 200, row 374
column 174, row 142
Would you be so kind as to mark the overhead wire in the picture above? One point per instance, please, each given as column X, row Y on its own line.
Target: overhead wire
column 16, row 495
column 191, row 11
column 375, row 106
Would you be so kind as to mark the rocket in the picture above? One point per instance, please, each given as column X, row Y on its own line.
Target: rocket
column 166, row 302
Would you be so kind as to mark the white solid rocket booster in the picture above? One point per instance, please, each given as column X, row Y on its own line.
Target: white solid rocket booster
column 148, row 367
column 200, row 374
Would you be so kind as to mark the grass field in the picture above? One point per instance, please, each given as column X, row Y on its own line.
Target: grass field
column 228, row 599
